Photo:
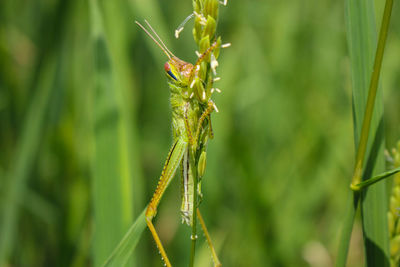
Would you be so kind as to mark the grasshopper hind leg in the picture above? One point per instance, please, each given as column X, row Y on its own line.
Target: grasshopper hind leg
column 173, row 160
column 158, row 242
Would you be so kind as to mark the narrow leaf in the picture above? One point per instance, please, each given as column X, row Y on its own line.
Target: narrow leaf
column 111, row 182
column 361, row 33
column 377, row 178
column 127, row 245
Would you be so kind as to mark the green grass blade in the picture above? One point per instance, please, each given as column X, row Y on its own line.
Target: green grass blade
column 111, row 183
column 344, row 243
column 361, row 35
column 116, row 27
column 126, row 246
column 26, row 152
column 45, row 80
column 119, row 42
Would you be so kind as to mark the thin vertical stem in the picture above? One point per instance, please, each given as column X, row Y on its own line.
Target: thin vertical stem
column 371, row 96
column 193, row 236
column 366, row 125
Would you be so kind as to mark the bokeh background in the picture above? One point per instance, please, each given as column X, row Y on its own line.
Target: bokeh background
column 278, row 168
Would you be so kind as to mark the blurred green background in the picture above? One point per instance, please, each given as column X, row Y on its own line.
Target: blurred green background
column 77, row 164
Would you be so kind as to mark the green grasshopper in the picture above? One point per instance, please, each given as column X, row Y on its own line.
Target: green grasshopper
column 191, row 123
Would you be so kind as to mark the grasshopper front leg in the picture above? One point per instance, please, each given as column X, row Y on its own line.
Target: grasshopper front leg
column 174, row 158
column 206, row 114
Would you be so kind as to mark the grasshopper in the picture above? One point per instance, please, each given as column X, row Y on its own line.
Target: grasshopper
column 191, row 124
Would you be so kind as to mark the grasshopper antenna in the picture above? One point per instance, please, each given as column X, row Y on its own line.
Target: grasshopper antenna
column 163, row 48
column 151, row 28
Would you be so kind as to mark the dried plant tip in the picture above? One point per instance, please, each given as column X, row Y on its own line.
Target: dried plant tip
column 182, row 25
column 226, row 45
column 192, row 84
column 216, row 79
column 197, row 53
column 225, row 2
column 177, row 32
column 218, row 91
column 215, row 107
column 214, row 64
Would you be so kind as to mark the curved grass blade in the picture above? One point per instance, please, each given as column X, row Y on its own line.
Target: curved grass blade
column 361, row 41
column 46, row 78
column 116, row 27
column 25, row 155
column 125, row 248
column 111, row 182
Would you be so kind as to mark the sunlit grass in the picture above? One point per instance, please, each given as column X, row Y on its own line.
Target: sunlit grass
column 277, row 170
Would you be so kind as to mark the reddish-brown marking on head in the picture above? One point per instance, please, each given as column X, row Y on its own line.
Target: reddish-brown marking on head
column 167, row 67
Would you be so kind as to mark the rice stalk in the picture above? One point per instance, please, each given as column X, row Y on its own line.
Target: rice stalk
column 367, row 114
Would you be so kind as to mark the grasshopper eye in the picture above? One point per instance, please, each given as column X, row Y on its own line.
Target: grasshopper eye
column 168, row 70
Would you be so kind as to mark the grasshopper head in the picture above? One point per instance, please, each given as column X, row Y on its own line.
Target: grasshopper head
column 178, row 71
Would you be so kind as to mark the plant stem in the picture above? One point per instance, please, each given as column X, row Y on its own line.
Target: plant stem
column 371, row 96
column 360, row 13
column 193, row 236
